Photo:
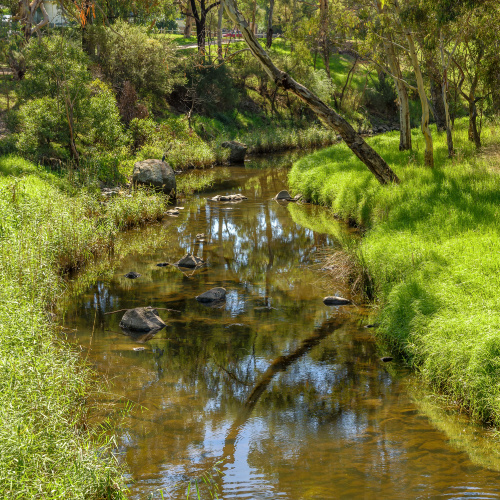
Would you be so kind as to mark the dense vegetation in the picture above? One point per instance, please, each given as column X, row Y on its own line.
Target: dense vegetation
column 80, row 104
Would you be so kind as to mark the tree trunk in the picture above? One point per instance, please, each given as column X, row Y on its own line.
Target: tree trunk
column 219, row 34
column 269, row 41
column 189, row 21
column 404, row 105
column 375, row 163
column 444, row 88
column 323, row 34
column 200, row 33
column 437, row 97
column 429, row 148
column 254, row 12
column 473, row 132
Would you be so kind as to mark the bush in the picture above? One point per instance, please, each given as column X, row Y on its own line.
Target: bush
column 62, row 107
column 128, row 54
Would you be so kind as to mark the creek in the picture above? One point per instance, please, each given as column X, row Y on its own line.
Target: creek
column 287, row 396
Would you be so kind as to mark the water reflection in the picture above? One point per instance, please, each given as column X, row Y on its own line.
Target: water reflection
column 290, row 394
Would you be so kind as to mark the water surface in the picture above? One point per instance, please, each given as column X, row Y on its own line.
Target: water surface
column 288, row 396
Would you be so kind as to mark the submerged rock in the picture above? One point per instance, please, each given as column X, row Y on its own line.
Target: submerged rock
column 214, row 295
column 172, row 212
column 190, row 260
column 237, row 152
column 229, row 197
column 141, row 319
column 155, row 173
column 336, row 301
column 162, row 264
column 132, row 275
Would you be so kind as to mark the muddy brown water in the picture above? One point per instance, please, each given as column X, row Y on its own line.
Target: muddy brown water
column 287, row 397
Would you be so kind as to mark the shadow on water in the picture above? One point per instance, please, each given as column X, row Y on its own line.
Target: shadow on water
column 290, row 394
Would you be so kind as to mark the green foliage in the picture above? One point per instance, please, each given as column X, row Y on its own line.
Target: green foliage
column 60, row 99
column 128, row 54
column 431, row 250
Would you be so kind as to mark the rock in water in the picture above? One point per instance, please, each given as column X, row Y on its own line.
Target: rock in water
column 163, row 264
column 283, row 196
column 386, row 359
column 229, row 197
column 237, row 152
column 213, row 295
column 190, row 261
column 132, row 275
column 142, row 319
column 155, row 173
column 336, row 301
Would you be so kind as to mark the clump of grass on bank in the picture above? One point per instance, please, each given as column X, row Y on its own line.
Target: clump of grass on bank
column 49, row 449
column 283, row 139
column 432, row 249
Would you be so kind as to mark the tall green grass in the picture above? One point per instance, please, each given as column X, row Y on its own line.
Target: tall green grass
column 432, row 247
column 49, row 447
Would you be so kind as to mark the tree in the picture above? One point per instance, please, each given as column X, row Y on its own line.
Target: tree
column 375, row 163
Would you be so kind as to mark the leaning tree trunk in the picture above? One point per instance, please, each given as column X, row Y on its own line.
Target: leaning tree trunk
column 269, row 40
column 429, row 147
column 375, row 163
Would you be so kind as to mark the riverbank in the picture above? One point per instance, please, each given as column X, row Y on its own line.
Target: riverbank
column 49, row 445
column 431, row 248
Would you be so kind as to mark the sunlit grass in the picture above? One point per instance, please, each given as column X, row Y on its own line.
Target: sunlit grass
column 432, row 249
column 49, row 448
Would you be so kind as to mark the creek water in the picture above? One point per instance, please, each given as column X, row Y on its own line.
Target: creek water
column 287, row 397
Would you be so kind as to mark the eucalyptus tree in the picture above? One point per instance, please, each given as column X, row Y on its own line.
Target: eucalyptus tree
column 375, row 163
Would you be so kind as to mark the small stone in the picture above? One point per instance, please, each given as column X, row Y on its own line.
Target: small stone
column 163, row 264
column 336, row 301
column 230, row 197
column 213, row 295
column 172, row 212
column 179, row 208
column 283, row 196
column 139, row 349
column 190, row 260
column 132, row 275
column 386, row 359
column 200, row 236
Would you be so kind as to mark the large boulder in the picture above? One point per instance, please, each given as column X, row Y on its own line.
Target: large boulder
column 237, row 151
column 155, row 173
column 142, row 319
column 214, row 295
column 190, row 260
column 283, row 196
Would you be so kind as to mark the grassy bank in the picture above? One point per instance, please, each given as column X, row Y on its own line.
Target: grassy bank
column 432, row 249
column 49, row 447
